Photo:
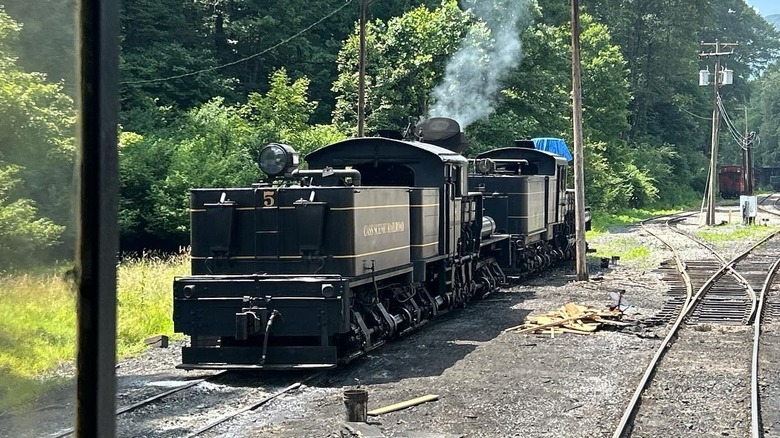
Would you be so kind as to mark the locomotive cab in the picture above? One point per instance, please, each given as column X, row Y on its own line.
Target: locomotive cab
column 525, row 189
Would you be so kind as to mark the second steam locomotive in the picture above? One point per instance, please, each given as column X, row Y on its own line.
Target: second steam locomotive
column 316, row 267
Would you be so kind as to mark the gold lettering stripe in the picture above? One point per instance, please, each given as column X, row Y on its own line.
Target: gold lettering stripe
column 298, row 257
column 370, row 253
column 426, row 244
column 198, row 210
column 250, row 258
column 526, row 217
column 368, row 207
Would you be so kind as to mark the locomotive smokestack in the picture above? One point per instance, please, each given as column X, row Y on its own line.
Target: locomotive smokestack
column 444, row 132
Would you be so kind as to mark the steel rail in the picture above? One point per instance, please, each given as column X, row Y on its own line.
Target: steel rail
column 755, row 400
column 628, row 414
column 151, row 399
column 729, row 266
column 688, row 305
column 775, row 209
column 253, row 406
column 765, row 198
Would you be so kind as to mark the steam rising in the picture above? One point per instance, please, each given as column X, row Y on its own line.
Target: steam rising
column 473, row 75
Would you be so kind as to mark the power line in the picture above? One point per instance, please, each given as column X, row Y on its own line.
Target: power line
column 692, row 114
column 733, row 130
column 285, row 41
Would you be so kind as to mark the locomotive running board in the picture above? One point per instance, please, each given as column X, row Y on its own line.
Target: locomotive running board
column 272, row 367
column 248, row 358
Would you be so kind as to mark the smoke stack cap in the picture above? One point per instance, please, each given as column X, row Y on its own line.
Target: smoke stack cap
column 437, row 129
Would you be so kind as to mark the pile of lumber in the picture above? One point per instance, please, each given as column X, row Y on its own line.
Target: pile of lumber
column 571, row 318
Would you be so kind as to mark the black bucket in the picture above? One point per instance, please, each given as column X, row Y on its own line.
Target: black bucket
column 356, row 403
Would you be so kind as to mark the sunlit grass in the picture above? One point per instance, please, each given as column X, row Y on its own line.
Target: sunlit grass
column 603, row 222
column 38, row 319
column 608, row 243
column 629, row 249
column 37, row 322
column 735, row 233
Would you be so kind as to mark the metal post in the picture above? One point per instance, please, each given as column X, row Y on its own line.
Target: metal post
column 579, row 167
column 98, row 240
column 362, row 73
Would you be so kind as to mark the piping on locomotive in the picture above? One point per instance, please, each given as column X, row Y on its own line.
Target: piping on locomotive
column 316, row 267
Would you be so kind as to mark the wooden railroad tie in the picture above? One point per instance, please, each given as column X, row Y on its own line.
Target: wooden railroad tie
column 571, row 318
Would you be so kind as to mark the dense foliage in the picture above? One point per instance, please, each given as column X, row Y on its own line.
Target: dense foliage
column 205, row 85
column 36, row 158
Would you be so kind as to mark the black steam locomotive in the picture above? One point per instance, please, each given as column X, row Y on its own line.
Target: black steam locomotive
column 316, row 267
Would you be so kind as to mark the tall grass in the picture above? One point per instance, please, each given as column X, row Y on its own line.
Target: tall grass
column 145, row 299
column 38, row 319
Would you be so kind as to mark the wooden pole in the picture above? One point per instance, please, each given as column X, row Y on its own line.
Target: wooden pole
column 579, row 167
column 362, row 73
column 713, row 177
column 714, row 150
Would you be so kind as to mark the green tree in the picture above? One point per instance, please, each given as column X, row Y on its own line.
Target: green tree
column 23, row 233
column 161, row 40
column 46, row 42
column 37, row 123
column 407, row 60
column 208, row 147
column 765, row 110
column 214, row 145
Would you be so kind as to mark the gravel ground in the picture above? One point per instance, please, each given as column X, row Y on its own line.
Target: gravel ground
column 489, row 383
column 769, row 380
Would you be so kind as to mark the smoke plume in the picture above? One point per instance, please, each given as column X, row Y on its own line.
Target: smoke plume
column 472, row 77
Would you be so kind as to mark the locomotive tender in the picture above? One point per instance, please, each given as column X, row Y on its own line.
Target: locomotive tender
column 316, row 267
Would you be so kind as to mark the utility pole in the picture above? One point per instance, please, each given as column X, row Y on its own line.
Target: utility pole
column 718, row 53
column 747, row 157
column 362, row 73
column 579, row 168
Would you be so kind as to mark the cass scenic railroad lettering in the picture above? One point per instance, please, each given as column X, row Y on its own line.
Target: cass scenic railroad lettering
column 383, row 228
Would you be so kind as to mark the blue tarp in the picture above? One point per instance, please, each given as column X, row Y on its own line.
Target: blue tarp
column 554, row 145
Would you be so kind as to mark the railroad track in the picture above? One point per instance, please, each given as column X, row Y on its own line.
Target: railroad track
column 131, row 406
column 764, row 358
column 217, row 396
column 730, row 301
column 706, row 293
column 770, row 204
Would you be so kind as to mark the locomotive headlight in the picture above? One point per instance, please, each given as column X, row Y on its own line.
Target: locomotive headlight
column 277, row 159
column 328, row 291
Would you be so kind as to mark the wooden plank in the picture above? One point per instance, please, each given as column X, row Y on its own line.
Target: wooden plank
column 404, row 404
column 560, row 330
column 552, row 324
